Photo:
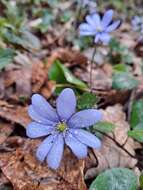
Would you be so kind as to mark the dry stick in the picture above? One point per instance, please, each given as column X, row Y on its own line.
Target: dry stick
column 118, row 144
column 91, row 69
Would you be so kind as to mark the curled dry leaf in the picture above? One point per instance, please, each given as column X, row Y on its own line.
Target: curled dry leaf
column 19, row 81
column 30, row 174
column 110, row 155
column 24, row 80
column 14, row 114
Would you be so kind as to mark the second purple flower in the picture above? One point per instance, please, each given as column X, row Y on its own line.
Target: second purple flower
column 99, row 27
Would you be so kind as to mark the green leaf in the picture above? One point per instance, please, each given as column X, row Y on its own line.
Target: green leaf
column 105, row 127
column 59, row 73
column 6, row 57
column 121, row 68
column 137, row 133
column 25, row 39
column 128, row 58
column 123, row 81
column 141, row 180
column 137, row 113
column 52, row 3
column 80, row 42
column 115, row 179
column 66, row 15
column 87, row 100
column 47, row 19
column 119, row 53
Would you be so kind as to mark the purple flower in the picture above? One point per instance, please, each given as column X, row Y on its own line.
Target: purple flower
column 136, row 22
column 61, row 126
column 137, row 25
column 85, row 2
column 99, row 27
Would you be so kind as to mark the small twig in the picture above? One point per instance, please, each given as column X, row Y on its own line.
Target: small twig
column 97, row 162
column 132, row 97
column 118, row 144
column 91, row 69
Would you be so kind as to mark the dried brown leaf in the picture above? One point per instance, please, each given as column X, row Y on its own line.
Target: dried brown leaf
column 3, row 180
column 48, row 89
column 39, row 75
column 110, row 155
column 26, row 173
column 5, row 130
column 2, row 86
column 13, row 113
column 101, row 80
column 69, row 56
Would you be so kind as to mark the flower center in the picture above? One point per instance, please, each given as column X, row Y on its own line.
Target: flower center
column 61, row 126
column 99, row 29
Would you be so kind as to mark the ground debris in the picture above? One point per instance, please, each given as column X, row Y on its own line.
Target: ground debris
column 30, row 174
column 5, row 130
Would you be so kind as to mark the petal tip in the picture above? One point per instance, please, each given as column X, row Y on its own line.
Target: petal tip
column 52, row 166
column 39, row 156
column 28, row 131
column 111, row 11
column 68, row 89
column 35, row 97
column 98, row 144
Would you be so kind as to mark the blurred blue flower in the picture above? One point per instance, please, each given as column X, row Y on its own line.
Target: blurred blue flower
column 137, row 23
column 61, row 126
column 85, row 2
column 99, row 27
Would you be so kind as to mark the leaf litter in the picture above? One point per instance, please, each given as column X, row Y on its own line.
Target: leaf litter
column 27, row 73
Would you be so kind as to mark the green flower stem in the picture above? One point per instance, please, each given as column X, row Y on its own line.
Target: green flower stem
column 91, row 69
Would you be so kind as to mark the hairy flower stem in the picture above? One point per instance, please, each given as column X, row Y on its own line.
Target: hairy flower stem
column 118, row 144
column 91, row 69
